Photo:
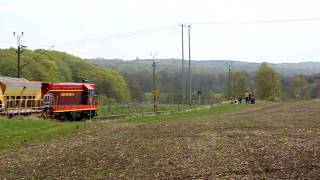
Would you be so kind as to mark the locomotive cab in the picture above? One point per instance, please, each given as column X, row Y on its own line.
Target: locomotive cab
column 88, row 95
column 70, row 100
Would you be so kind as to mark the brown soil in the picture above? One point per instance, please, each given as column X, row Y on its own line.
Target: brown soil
column 278, row 141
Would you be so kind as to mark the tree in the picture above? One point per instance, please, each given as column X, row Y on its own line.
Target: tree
column 238, row 87
column 299, row 87
column 41, row 65
column 267, row 82
column 135, row 90
column 315, row 89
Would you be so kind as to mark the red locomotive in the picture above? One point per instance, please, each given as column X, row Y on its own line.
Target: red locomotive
column 69, row 100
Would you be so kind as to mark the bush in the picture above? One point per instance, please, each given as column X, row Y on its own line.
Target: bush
column 273, row 99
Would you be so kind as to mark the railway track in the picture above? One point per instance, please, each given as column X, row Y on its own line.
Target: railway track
column 101, row 118
column 120, row 116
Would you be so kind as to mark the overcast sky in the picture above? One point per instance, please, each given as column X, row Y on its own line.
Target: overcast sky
column 130, row 28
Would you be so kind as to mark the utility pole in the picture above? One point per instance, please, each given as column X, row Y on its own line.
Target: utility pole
column 18, row 36
column 154, row 87
column 183, row 88
column 190, row 95
column 199, row 96
column 229, row 78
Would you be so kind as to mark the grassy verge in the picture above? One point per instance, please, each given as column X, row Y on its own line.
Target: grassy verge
column 15, row 132
column 182, row 115
column 115, row 109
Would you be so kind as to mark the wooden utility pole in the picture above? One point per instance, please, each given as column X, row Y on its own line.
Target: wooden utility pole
column 229, row 78
column 183, row 88
column 154, row 87
column 190, row 87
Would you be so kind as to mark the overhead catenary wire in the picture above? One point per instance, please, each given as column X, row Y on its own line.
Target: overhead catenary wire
column 257, row 21
column 118, row 35
column 36, row 58
column 165, row 27
column 43, row 52
column 167, row 67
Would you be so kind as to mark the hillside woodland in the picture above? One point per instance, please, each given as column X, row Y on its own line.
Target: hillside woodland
column 42, row 65
column 286, row 81
column 127, row 81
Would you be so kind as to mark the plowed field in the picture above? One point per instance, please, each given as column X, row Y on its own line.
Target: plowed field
column 277, row 140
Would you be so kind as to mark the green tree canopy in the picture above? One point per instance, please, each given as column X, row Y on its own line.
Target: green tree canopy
column 267, row 82
column 238, row 85
column 299, row 87
column 55, row 66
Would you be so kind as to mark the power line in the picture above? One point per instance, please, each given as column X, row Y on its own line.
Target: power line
column 166, row 67
column 36, row 58
column 160, row 28
column 257, row 21
column 43, row 52
column 116, row 36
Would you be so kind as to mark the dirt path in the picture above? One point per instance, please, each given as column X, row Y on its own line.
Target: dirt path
column 270, row 141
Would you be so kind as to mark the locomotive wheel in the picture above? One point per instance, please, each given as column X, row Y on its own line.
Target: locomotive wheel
column 76, row 115
column 61, row 116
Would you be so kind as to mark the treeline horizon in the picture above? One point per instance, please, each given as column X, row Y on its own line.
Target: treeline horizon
column 213, row 81
column 131, row 81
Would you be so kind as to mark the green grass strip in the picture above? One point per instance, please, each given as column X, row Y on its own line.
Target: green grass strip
column 14, row 132
column 186, row 114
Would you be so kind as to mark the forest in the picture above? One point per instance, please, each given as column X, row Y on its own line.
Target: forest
column 55, row 66
column 287, row 81
column 131, row 81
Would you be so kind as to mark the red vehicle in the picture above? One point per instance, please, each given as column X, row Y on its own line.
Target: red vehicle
column 69, row 100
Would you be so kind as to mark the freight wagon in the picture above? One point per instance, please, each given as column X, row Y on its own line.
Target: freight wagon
column 19, row 96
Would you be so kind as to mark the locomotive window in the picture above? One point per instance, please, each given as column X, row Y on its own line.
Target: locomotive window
column 90, row 93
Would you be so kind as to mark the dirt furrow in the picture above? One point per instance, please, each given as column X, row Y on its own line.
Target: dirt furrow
column 278, row 140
